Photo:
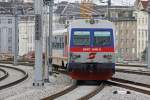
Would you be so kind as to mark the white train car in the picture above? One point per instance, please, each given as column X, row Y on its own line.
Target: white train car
column 58, row 44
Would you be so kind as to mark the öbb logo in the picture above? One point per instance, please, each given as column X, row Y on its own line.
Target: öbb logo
column 92, row 55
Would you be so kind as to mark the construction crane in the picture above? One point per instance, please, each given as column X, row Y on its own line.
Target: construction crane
column 86, row 8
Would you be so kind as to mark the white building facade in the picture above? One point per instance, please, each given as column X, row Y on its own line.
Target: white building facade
column 142, row 32
column 26, row 34
column 7, row 34
column 142, row 28
column 28, row 1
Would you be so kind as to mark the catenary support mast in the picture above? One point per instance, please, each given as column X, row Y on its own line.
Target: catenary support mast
column 38, row 71
column 50, row 34
column 109, row 5
column 48, row 56
column 148, row 34
column 16, row 33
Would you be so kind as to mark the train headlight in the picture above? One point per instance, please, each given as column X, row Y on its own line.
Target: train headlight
column 74, row 56
column 108, row 56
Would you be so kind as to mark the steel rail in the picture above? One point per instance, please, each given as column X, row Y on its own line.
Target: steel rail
column 130, row 82
column 146, row 73
column 86, row 97
column 54, row 96
column 5, row 74
column 71, row 88
column 18, row 63
column 133, row 65
column 130, row 85
column 63, row 92
column 16, row 81
column 93, row 93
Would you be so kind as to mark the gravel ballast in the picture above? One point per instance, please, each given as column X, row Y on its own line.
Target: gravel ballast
column 25, row 90
column 58, row 82
column 108, row 94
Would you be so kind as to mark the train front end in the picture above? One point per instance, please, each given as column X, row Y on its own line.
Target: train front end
column 91, row 50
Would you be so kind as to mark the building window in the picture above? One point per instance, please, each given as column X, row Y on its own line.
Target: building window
column 146, row 33
column 133, row 41
column 133, row 31
column 133, row 50
column 139, row 45
column 9, row 21
column 9, row 30
column 9, row 39
column 126, row 41
column 126, row 49
column 139, row 33
column 10, row 48
column 146, row 20
column 143, row 20
column 121, row 40
column 121, row 50
column 143, row 44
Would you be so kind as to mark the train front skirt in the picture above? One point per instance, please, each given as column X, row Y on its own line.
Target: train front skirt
column 91, row 71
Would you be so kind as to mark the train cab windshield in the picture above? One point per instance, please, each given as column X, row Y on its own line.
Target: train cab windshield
column 81, row 38
column 94, row 38
column 102, row 38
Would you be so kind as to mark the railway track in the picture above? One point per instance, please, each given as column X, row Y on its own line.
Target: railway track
column 19, row 63
column 54, row 96
column 139, row 72
column 72, row 90
column 17, row 81
column 138, row 87
column 5, row 74
column 133, row 65
column 31, row 63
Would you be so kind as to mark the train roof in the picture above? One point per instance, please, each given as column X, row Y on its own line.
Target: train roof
column 59, row 32
column 91, row 23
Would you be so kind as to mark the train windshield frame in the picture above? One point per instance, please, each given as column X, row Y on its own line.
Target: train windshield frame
column 106, row 35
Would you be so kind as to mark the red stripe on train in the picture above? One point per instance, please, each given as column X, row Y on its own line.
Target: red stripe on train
column 87, row 49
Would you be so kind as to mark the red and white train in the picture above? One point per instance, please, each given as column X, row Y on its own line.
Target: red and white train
column 88, row 49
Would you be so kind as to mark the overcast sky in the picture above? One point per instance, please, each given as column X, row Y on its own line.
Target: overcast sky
column 116, row 2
